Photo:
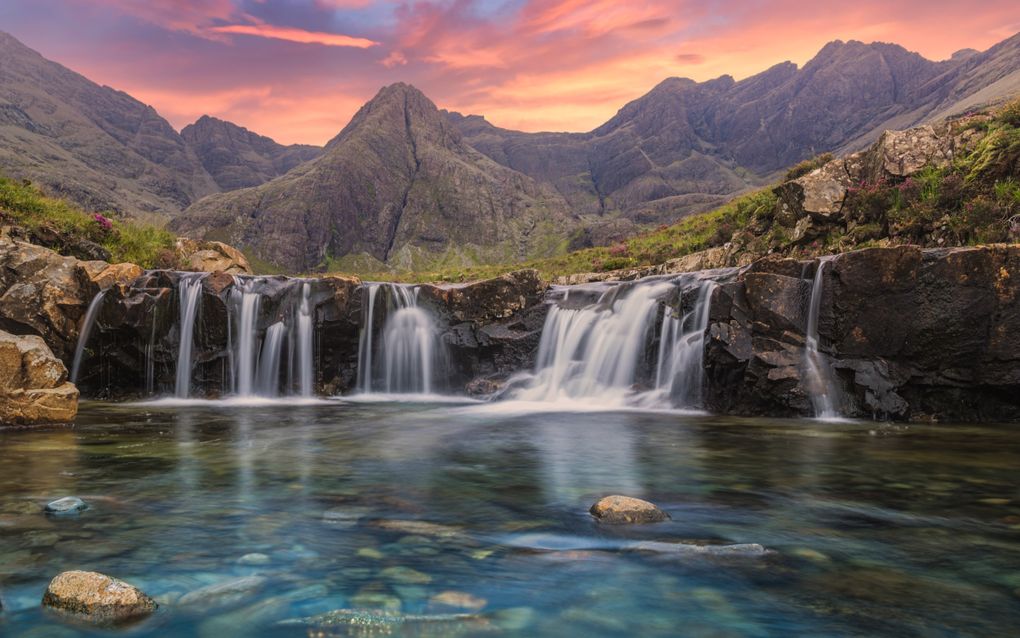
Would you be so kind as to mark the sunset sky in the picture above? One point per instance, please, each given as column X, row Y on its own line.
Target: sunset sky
column 297, row 70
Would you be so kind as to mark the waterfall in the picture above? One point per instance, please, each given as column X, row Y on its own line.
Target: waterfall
column 244, row 305
column 598, row 353
column 816, row 369
column 86, row 330
column 269, row 361
column 679, row 369
column 409, row 349
column 365, row 339
column 189, row 293
column 306, row 372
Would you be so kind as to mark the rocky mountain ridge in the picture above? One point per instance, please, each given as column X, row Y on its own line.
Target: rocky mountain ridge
column 397, row 186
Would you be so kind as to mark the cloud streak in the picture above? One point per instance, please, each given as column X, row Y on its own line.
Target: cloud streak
column 295, row 35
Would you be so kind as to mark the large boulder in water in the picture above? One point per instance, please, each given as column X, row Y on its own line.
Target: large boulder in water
column 96, row 598
column 33, row 383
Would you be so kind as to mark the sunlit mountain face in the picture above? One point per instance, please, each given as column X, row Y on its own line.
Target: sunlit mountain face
column 298, row 70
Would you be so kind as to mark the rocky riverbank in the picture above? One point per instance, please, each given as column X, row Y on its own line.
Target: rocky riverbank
column 904, row 332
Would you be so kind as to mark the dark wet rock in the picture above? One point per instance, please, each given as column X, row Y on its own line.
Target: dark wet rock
column 69, row 505
column 625, row 509
column 97, row 598
column 909, row 333
column 482, row 387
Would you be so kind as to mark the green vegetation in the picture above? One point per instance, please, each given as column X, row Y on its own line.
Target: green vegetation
column 68, row 229
column 808, row 165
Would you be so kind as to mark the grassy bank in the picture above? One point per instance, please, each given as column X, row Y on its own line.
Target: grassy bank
column 68, row 229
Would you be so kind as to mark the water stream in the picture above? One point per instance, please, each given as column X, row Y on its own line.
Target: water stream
column 189, row 294
column 86, row 332
column 816, row 367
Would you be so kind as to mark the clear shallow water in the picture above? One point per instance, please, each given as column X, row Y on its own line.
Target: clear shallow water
column 874, row 530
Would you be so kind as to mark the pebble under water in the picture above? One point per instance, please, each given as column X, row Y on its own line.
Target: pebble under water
column 472, row 519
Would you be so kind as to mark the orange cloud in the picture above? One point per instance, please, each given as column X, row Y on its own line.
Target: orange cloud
column 295, row 35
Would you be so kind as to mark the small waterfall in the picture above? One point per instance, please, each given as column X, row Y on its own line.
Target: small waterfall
column 598, row 352
column 86, row 330
column 189, row 293
column 269, row 361
column 306, row 372
column 816, row 369
column 365, row 339
column 244, row 306
column 409, row 350
column 593, row 352
column 679, row 370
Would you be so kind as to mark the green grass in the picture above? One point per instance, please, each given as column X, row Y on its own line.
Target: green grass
column 24, row 205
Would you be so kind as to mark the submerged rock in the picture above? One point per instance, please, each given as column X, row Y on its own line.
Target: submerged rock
column 625, row 509
column 381, row 622
column 97, row 598
column 449, row 599
column 223, row 594
column 66, row 506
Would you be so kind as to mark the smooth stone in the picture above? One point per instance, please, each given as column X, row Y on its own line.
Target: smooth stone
column 627, row 510
column 369, row 552
column 254, row 559
column 97, row 598
column 376, row 600
column 66, row 506
column 451, row 599
column 223, row 593
column 405, row 575
column 739, row 549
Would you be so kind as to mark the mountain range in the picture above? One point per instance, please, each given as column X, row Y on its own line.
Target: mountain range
column 406, row 185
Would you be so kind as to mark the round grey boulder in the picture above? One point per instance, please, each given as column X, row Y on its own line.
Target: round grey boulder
column 67, row 506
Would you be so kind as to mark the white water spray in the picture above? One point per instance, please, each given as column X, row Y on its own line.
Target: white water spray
column 189, row 291
column 306, row 370
column 86, row 331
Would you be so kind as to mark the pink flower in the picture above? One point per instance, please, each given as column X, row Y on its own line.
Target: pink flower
column 105, row 223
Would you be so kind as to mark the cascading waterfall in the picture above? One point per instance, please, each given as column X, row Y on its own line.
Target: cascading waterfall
column 597, row 353
column 816, row 370
column 679, row 373
column 306, row 370
column 269, row 361
column 244, row 305
column 189, row 291
column 86, row 330
column 365, row 339
column 409, row 349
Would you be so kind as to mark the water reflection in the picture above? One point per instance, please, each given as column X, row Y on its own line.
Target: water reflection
column 875, row 530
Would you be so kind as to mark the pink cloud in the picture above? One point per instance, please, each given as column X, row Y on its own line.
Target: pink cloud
column 295, row 35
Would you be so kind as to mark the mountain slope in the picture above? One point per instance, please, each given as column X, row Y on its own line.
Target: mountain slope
column 237, row 158
column 398, row 185
column 98, row 146
column 685, row 145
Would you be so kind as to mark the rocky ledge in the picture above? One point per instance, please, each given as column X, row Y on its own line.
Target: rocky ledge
column 908, row 333
column 33, row 383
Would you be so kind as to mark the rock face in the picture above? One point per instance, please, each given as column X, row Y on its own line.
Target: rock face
column 908, row 334
column 238, row 158
column 33, row 383
column 212, row 256
column 45, row 294
column 97, row 598
column 625, row 509
column 95, row 145
column 686, row 146
column 397, row 186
